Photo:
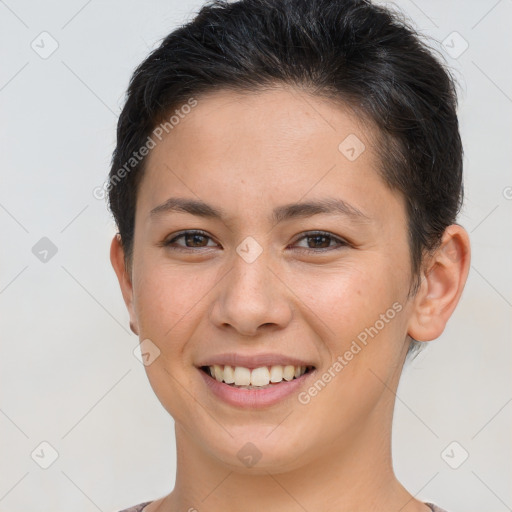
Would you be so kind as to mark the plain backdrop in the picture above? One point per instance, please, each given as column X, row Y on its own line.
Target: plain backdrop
column 68, row 374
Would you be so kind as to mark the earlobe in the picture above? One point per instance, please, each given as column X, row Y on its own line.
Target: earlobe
column 117, row 258
column 442, row 284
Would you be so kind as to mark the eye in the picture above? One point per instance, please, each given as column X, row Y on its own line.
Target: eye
column 193, row 239
column 321, row 241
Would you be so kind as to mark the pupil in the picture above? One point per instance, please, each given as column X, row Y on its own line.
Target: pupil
column 317, row 238
column 195, row 238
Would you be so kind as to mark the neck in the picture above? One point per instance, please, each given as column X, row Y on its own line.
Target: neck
column 355, row 475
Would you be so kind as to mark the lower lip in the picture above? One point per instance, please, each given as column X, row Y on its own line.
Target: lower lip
column 254, row 398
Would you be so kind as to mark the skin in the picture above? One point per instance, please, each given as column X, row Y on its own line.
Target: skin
column 247, row 154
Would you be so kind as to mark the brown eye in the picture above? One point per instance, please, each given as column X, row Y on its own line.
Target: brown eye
column 321, row 241
column 193, row 239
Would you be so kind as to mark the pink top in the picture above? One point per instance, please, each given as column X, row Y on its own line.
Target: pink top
column 140, row 506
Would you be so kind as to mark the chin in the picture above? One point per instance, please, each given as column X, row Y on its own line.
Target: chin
column 260, row 450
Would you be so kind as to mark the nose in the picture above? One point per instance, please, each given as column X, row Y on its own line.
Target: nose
column 251, row 298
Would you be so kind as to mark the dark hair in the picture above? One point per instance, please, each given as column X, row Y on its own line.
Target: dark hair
column 363, row 55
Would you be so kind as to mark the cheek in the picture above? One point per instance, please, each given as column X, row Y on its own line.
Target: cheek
column 169, row 298
column 360, row 318
column 168, row 303
column 357, row 313
column 345, row 300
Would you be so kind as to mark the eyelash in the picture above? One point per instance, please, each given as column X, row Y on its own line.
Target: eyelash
column 308, row 234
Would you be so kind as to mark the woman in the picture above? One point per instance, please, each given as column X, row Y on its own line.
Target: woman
column 286, row 182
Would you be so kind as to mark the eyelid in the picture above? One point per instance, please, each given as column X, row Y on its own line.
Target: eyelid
column 185, row 232
column 341, row 241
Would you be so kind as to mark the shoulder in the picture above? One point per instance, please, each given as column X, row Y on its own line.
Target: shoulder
column 136, row 508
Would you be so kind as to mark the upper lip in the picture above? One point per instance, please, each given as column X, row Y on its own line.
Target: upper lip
column 253, row 361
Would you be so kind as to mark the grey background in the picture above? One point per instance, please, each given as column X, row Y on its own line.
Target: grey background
column 68, row 375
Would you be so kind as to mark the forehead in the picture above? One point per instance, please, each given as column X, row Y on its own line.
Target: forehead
column 272, row 120
column 278, row 146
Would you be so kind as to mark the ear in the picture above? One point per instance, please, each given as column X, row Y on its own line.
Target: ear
column 441, row 287
column 117, row 258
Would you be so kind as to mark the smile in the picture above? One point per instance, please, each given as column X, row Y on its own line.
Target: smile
column 260, row 387
column 258, row 378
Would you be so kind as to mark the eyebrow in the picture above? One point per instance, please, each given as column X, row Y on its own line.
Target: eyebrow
column 331, row 206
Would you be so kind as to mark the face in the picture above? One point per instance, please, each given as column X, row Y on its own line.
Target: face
column 251, row 280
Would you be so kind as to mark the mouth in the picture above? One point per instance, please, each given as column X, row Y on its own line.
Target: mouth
column 263, row 377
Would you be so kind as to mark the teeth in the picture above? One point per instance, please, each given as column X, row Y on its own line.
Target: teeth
column 276, row 374
column 288, row 372
column 229, row 375
column 259, row 377
column 242, row 376
column 217, row 372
